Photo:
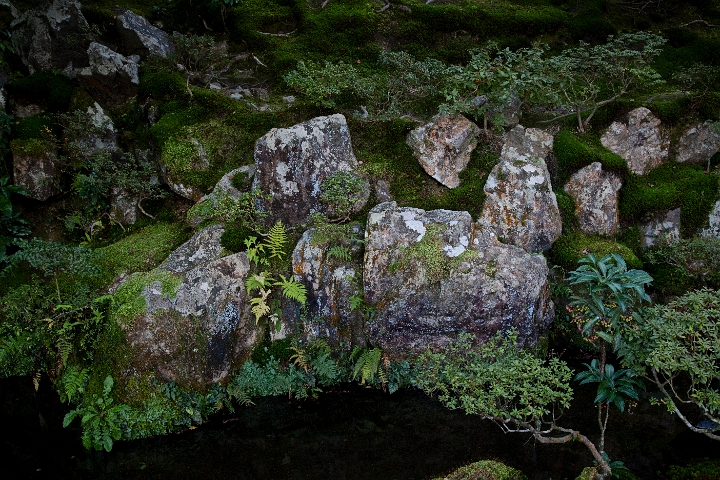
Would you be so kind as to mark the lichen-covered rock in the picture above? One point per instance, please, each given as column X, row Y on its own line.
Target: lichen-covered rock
column 110, row 76
column 665, row 226
column 50, row 36
column 141, row 37
column 641, row 141
column 123, row 206
column 195, row 327
column 698, row 144
column 330, row 282
column 596, row 198
column 431, row 275
column 203, row 247
column 443, row 147
column 520, row 205
column 99, row 137
column 35, row 167
column 292, row 163
column 223, row 187
column 713, row 229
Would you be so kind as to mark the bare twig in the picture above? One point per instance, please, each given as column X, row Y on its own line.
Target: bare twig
column 205, row 24
column 142, row 209
column 324, row 4
column 709, row 25
column 276, row 34
column 259, row 62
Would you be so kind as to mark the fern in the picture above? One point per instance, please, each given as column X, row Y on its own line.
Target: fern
column 341, row 252
column 72, row 384
column 276, row 240
column 259, row 305
column 367, row 365
column 292, row 289
column 256, row 281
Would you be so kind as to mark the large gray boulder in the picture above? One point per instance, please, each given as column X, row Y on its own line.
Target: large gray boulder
column 50, row 36
column 662, row 227
column 195, row 325
column 640, row 141
column 292, row 163
column 141, row 37
column 698, row 144
column 443, row 147
column 36, row 167
column 330, row 282
column 98, row 136
column 110, row 77
column 520, row 205
column 203, row 247
column 432, row 275
column 596, row 198
column 713, row 229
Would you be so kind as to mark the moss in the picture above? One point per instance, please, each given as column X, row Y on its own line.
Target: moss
column 705, row 469
column 670, row 111
column 233, row 238
column 568, row 212
column 485, row 470
column 129, row 302
column 710, row 106
column 36, row 127
column 51, row 90
column 572, row 246
column 573, row 154
column 161, row 85
column 429, row 253
column 33, row 147
column 667, row 187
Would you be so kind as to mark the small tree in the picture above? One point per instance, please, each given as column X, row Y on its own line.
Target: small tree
column 677, row 348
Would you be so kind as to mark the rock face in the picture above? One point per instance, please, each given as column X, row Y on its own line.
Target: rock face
column 330, row 282
column 432, row 275
column 123, row 207
column 443, row 147
column 293, row 162
column 596, row 198
column 100, row 137
column 520, row 206
column 196, row 324
column 713, row 229
column 665, row 227
column 224, row 186
column 640, row 141
column 110, row 77
column 35, row 168
column 203, row 247
column 698, row 144
column 50, row 35
column 142, row 38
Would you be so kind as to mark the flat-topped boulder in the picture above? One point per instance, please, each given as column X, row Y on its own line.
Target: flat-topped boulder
column 141, row 37
column 640, row 141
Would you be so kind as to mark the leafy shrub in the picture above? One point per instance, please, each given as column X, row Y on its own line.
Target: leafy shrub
column 685, row 264
column 705, row 470
column 233, row 238
column 36, row 126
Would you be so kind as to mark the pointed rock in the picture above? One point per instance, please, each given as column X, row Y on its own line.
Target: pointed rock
column 596, row 198
column 641, row 141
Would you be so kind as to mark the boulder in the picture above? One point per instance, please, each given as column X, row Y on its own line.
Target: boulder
column 196, row 326
column 641, row 141
column 203, row 247
column 432, row 275
column 36, row 168
column 223, row 187
column 595, row 193
column 141, row 37
column 713, row 229
column 111, row 77
column 292, row 163
column 665, row 226
column 123, row 206
column 443, row 147
column 330, row 282
column 520, row 206
column 698, row 144
column 100, row 136
column 50, row 36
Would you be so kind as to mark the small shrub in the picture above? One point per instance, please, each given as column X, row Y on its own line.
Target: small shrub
column 485, row 470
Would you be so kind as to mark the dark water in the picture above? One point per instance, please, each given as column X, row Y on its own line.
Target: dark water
column 350, row 433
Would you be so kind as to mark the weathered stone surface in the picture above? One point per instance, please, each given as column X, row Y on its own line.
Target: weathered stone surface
column 141, row 37
column 35, row 167
column 713, row 229
column 123, row 206
column 203, row 247
column 698, row 144
column 50, row 36
column 665, row 226
column 432, row 275
column 102, row 136
column 110, row 77
column 443, row 147
column 224, row 187
column 291, row 164
column 520, row 206
column 596, row 198
column 330, row 283
column 641, row 141
column 196, row 334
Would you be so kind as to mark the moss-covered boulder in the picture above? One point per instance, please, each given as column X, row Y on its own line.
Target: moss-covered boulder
column 35, row 166
column 485, row 470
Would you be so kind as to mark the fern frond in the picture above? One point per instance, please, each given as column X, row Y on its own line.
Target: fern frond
column 301, row 358
column 292, row 289
column 367, row 366
column 276, row 240
column 341, row 252
column 256, row 281
column 259, row 305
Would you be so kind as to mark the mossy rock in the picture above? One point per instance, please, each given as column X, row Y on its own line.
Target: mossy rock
column 36, row 127
column 670, row 111
column 485, row 470
column 33, row 147
column 573, row 246
column 573, row 154
column 51, row 90
column 162, row 85
column 667, row 187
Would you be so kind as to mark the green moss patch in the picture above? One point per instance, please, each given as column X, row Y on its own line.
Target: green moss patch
column 667, row 187
column 129, row 302
column 573, row 154
column 485, row 470
column 33, row 147
column 36, row 127
column 572, row 246
column 50, row 90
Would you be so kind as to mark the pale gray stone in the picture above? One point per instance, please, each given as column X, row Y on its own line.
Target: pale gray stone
column 662, row 227
column 640, row 141
column 484, row 286
column 713, row 229
column 37, row 171
column 698, row 144
column 110, row 77
column 203, row 247
column 141, row 37
column 123, row 206
column 443, row 147
column 596, row 198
